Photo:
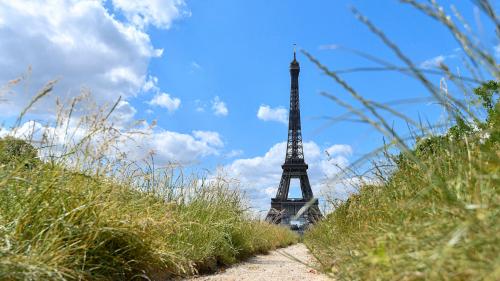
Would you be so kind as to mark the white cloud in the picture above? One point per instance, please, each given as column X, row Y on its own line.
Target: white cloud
column 234, row 153
column 219, row 107
column 164, row 100
column 195, row 66
column 81, row 44
column 433, row 62
column 57, row 141
column 260, row 176
column 122, row 74
column 267, row 113
column 166, row 146
column 173, row 147
column 339, row 149
column 209, row 137
column 159, row 13
column 123, row 114
column 86, row 46
column 329, row 47
column 336, row 156
column 151, row 84
column 160, row 99
column 436, row 61
column 497, row 51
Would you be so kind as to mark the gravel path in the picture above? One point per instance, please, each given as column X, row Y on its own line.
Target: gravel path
column 277, row 265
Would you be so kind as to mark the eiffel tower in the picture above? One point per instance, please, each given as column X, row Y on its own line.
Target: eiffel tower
column 285, row 210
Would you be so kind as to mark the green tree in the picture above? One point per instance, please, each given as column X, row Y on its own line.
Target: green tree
column 15, row 151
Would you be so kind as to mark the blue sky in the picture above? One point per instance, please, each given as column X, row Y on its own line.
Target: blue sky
column 202, row 70
column 243, row 49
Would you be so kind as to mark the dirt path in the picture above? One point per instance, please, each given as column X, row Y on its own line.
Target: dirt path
column 277, row 265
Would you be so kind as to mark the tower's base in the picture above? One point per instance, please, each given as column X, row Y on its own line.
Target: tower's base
column 294, row 212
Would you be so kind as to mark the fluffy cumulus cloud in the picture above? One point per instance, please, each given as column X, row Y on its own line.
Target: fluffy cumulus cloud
column 85, row 46
column 337, row 153
column 80, row 43
column 123, row 114
column 209, row 137
column 166, row 101
column 219, row 107
column 278, row 114
column 160, row 99
column 260, row 176
column 159, row 13
column 166, row 146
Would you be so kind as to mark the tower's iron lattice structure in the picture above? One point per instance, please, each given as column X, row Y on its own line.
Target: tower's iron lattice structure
column 283, row 209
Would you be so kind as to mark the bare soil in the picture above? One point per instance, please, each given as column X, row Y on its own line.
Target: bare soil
column 290, row 264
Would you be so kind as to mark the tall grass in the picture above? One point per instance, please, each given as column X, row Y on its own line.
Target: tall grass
column 435, row 220
column 432, row 209
column 72, row 207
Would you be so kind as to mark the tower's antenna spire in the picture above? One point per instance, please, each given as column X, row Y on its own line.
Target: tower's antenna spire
column 294, row 50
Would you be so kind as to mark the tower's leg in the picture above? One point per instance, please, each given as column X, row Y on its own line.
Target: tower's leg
column 314, row 214
column 276, row 213
column 284, row 186
column 275, row 216
column 305, row 186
